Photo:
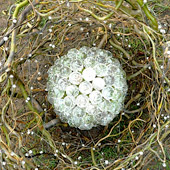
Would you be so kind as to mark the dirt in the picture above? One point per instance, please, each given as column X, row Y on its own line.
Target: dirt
column 4, row 7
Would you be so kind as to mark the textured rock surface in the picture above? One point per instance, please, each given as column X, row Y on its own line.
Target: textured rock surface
column 87, row 87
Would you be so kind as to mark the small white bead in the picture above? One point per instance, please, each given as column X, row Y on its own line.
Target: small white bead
column 50, row 30
column 14, row 21
column 106, row 162
column 28, row 132
column 168, row 52
column 154, row 126
column 26, row 154
column 118, row 34
column 87, row 19
column 41, row 152
column 141, row 153
column 162, row 67
column 79, row 158
column 29, row 55
column 28, row 98
column 49, row 17
column 94, row 149
column 167, row 126
column 32, row 133
column 69, row 24
column 99, row 144
column 129, row 45
column 81, row 29
column 23, row 162
column 5, row 38
column 138, row 104
column 80, row 19
column 12, row 153
column 31, row 88
column 144, row 1
column 118, row 140
column 11, row 76
column 14, row 86
column 159, row 26
column 36, row 168
column 164, row 164
column 21, row 59
column 162, row 31
column 136, row 157
column 75, row 162
column 56, row 150
column 3, row 163
column 30, row 151
column 53, row 46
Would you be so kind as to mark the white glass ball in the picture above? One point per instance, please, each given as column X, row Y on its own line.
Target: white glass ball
column 87, row 87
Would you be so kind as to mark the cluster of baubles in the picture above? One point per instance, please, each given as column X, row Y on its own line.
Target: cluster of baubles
column 87, row 87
